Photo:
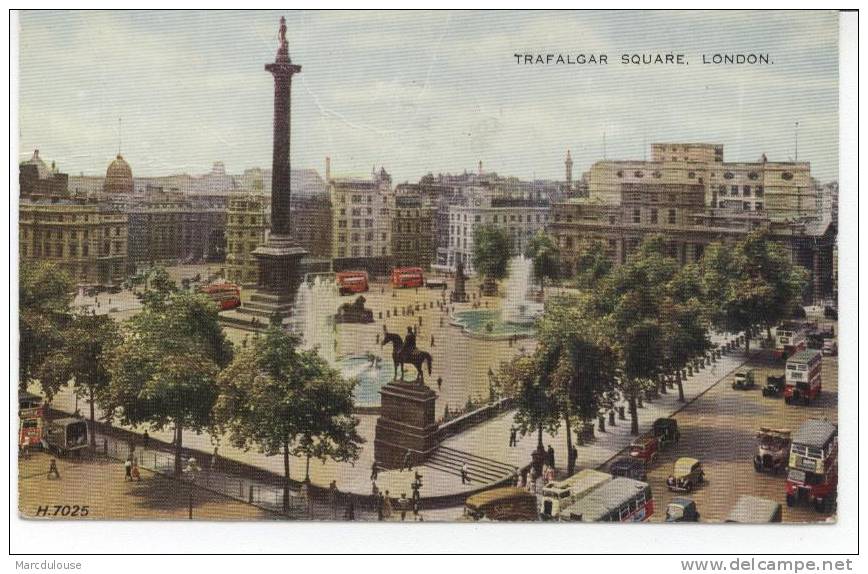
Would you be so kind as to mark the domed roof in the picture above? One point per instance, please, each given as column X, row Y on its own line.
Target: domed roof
column 119, row 176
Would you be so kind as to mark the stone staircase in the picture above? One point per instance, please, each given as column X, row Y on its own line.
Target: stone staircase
column 480, row 469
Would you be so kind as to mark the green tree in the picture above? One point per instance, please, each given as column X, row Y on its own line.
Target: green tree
column 632, row 296
column 544, row 252
column 752, row 283
column 586, row 366
column 491, row 252
column 536, row 405
column 283, row 400
column 45, row 293
column 89, row 342
column 164, row 371
column 592, row 265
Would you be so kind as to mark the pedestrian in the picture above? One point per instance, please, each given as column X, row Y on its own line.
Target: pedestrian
column 378, row 338
column 432, row 340
column 420, row 320
column 403, row 505
column 439, row 383
column 146, row 440
column 381, row 502
column 214, row 459
column 53, row 473
column 374, row 471
column 408, row 462
column 333, row 498
column 417, row 505
column 350, row 512
column 465, row 477
column 374, row 490
column 551, row 456
column 128, row 469
column 387, row 507
column 134, row 472
column 513, row 436
column 25, row 447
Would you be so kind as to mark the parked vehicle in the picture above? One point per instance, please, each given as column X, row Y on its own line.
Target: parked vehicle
column 66, row 435
column 666, row 431
column 506, row 504
column 436, row 284
column 682, row 509
column 755, row 510
column 804, row 376
column 31, row 419
column 744, row 379
column 687, row 474
column 645, row 448
column 774, row 385
column 830, row 313
column 351, row 282
column 629, row 467
column 813, row 465
column 619, row 500
column 557, row 497
column 830, row 348
column 772, row 450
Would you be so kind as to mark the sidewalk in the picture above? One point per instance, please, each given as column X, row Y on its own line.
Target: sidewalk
column 440, row 488
column 491, row 439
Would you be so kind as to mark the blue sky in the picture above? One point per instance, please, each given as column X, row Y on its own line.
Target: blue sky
column 420, row 91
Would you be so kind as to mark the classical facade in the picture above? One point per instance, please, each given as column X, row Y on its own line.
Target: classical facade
column 692, row 197
column 362, row 211
column 86, row 238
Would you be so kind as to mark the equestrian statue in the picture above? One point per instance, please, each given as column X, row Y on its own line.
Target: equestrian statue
column 405, row 351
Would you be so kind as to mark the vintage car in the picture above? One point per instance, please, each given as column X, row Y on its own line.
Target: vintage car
column 830, row 347
column 830, row 313
column 666, row 431
column 682, row 509
column 772, row 450
column 744, row 379
column 755, row 510
column 645, row 448
column 501, row 504
column 774, row 385
column 686, row 475
column 629, row 467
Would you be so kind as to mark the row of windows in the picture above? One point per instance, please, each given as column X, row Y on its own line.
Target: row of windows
column 496, row 218
column 356, row 237
column 59, row 250
column 356, row 251
column 72, row 234
column 746, row 190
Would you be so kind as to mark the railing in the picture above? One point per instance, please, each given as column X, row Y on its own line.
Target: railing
column 478, row 416
column 265, row 496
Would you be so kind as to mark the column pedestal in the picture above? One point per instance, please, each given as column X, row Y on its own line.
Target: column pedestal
column 406, row 423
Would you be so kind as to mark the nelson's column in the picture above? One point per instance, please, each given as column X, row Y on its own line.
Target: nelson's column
column 280, row 259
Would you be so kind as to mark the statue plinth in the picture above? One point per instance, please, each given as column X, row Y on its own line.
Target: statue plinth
column 406, row 423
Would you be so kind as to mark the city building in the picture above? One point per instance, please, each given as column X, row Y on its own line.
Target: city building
column 118, row 177
column 681, row 195
column 522, row 218
column 37, row 180
column 86, row 238
column 362, row 222
column 413, row 232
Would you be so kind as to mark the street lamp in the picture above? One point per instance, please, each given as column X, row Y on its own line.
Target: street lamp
column 191, row 471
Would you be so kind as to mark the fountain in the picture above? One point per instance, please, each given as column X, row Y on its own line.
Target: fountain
column 518, row 308
column 316, row 305
column 518, row 314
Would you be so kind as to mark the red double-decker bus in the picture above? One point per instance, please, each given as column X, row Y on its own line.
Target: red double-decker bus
column 407, row 277
column 227, row 295
column 31, row 419
column 350, row 282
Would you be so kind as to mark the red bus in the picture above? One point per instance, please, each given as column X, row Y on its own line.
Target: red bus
column 804, row 379
column 227, row 295
column 31, row 419
column 813, row 465
column 350, row 282
column 790, row 338
column 407, row 277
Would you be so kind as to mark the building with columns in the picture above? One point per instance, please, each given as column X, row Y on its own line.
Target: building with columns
column 692, row 197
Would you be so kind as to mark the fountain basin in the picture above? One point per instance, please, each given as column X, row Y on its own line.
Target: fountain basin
column 490, row 324
column 370, row 378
